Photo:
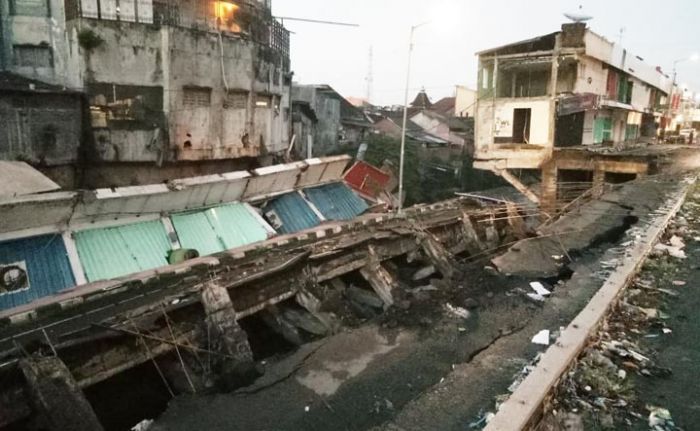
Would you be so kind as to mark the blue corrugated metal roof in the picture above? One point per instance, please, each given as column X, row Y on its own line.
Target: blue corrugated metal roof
column 47, row 267
column 290, row 213
column 117, row 251
column 218, row 229
column 336, row 201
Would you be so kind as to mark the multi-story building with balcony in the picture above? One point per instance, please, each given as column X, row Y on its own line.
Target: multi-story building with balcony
column 547, row 103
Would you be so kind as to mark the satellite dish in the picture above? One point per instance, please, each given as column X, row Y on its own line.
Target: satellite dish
column 578, row 16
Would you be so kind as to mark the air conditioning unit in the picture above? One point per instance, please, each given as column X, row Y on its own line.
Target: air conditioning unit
column 13, row 277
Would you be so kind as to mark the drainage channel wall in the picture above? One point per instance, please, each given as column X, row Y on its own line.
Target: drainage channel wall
column 523, row 409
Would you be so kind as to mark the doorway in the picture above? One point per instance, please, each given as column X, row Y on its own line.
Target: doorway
column 521, row 125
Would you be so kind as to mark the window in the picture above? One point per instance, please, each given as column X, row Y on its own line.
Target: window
column 602, row 130
column 32, row 56
column 236, row 100
column 196, row 97
column 263, row 101
column 30, row 7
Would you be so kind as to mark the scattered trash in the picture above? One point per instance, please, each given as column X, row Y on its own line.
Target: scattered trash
column 671, row 250
column 667, row 330
column 457, row 311
column 424, row 273
column 540, row 289
column 536, row 297
column 622, row 374
column 483, row 419
column 660, row 419
column 679, row 283
column 542, row 338
column 143, row 425
column 307, row 409
column 676, row 241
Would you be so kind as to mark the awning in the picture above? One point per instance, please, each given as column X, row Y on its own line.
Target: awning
column 18, row 179
column 336, row 201
column 290, row 213
column 219, row 229
column 32, row 268
column 122, row 250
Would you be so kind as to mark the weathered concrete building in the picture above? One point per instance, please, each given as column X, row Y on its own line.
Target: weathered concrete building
column 42, row 124
column 333, row 124
column 191, row 87
column 545, row 102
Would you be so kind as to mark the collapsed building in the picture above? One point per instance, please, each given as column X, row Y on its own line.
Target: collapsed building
column 95, row 283
column 191, row 88
column 569, row 104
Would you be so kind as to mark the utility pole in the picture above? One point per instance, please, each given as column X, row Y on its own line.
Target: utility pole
column 370, row 75
column 405, row 115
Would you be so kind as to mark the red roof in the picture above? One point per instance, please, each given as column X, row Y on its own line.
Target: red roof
column 367, row 179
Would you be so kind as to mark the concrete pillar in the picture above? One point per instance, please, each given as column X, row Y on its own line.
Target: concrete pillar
column 226, row 336
column 379, row 278
column 598, row 182
column 440, row 257
column 56, row 397
column 548, row 202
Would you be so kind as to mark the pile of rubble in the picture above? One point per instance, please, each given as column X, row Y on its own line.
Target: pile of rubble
column 599, row 391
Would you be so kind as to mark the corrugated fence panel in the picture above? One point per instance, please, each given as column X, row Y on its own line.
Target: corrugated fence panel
column 336, row 201
column 218, row 229
column 116, row 251
column 45, row 261
column 290, row 213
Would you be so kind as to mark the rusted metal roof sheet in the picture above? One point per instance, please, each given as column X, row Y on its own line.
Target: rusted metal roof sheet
column 18, row 179
column 367, row 179
column 290, row 213
column 218, row 229
column 32, row 268
column 336, row 201
column 117, row 251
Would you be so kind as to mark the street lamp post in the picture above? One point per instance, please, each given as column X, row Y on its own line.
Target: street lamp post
column 405, row 116
column 669, row 113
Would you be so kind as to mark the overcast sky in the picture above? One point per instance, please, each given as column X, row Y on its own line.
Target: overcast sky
column 658, row 31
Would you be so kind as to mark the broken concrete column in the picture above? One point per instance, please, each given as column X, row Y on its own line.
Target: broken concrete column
column 515, row 221
column 227, row 337
column 314, row 306
column 598, row 182
column 56, row 397
column 274, row 320
column 548, row 201
column 471, row 237
column 379, row 278
column 441, row 258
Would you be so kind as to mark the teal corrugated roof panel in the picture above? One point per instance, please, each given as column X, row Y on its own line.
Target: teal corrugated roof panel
column 336, row 201
column 219, row 229
column 290, row 213
column 32, row 268
column 117, row 251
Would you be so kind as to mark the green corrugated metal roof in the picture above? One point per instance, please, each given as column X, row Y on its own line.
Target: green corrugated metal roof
column 218, row 229
column 116, row 251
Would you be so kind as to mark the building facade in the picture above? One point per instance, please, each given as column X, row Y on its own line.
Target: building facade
column 326, row 123
column 187, row 87
column 547, row 103
column 566, row 89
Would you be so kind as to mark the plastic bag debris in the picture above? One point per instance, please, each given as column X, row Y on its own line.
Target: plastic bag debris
column 457, row 311
column 542, row 338
column 143, row 425
column 539, row 288
column 660, row 419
